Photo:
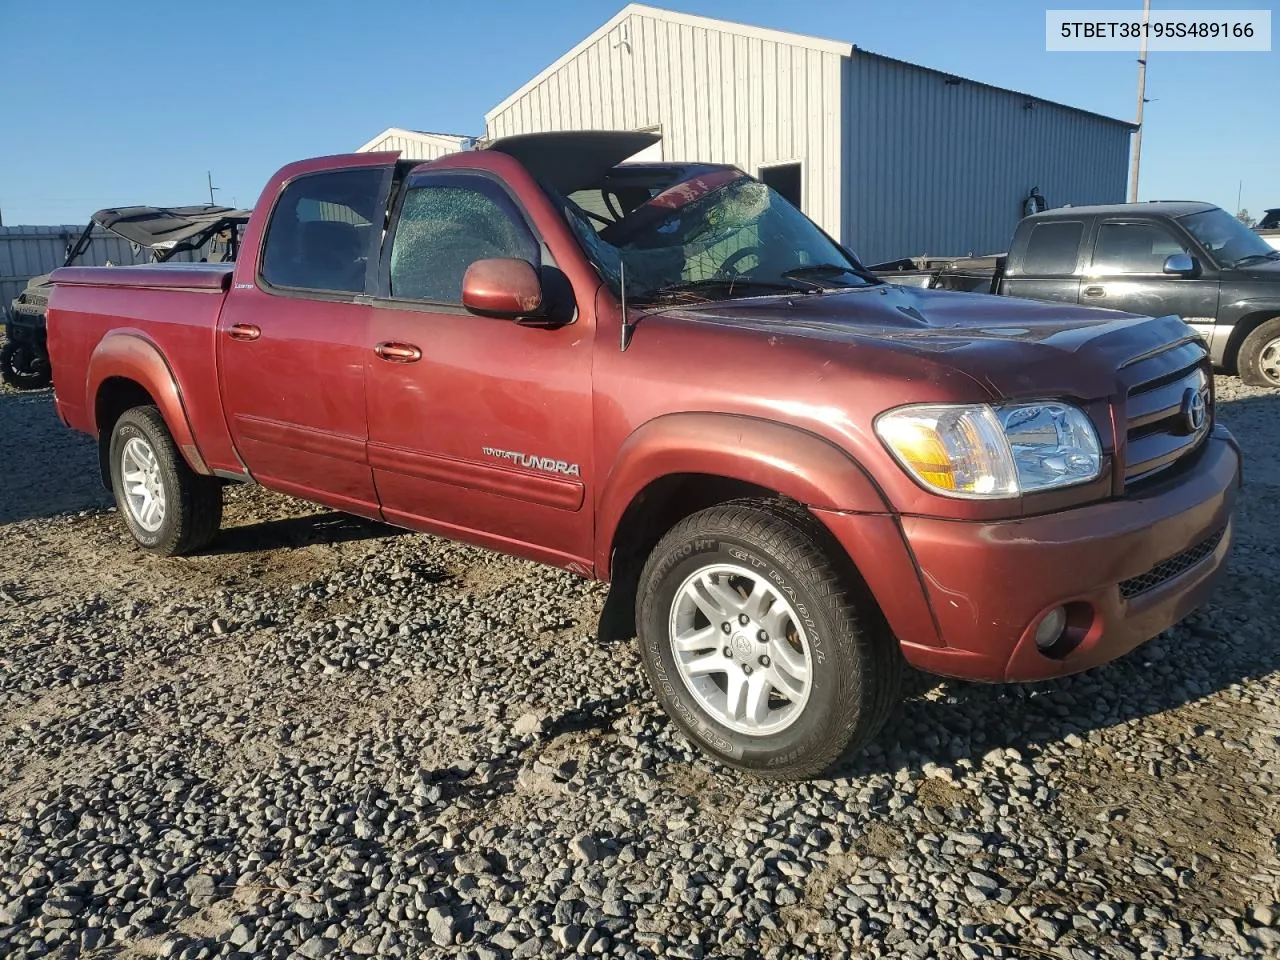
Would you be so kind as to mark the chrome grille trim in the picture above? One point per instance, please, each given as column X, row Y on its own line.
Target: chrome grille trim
column 1156, row 431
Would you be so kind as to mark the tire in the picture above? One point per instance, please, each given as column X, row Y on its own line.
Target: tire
column 1259, row 357
column 813, row 617
column 23, row 367
column 189, row 506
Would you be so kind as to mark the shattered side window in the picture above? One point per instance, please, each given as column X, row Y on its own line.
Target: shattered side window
column 446, row 226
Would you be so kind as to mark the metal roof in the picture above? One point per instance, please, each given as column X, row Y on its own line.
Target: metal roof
column 842, row 48
column 440, row 139
column 859, row 51
column 1162, row 208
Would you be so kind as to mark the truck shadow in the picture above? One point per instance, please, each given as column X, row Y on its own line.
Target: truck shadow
column 328, row 527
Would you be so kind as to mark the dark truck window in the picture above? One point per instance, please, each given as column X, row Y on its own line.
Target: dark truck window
column 321, row 231
column 447, row 224
column 1052, row 248
column 1134, row 248
column 1228, row 240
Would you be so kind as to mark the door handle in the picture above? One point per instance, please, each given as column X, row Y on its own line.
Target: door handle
column 244, row 331
column 394, row 352
column 1095, row 292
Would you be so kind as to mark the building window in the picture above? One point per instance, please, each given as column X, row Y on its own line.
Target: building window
column 785, row 179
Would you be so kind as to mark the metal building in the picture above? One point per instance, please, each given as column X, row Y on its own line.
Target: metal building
column 893, row 158
column 416, row 144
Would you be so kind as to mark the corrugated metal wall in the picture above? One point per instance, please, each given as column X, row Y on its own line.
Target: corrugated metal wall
column 29, row 251
column 718, row 96
column 412, row 149
column 942, row 169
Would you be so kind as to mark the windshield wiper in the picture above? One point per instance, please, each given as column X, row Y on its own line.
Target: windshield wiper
column 715, row 284
column 824, row 270
column 1274, row 255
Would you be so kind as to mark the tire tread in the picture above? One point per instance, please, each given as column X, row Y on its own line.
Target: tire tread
column 199, row 514
column 809, row 552
column 1250, row 353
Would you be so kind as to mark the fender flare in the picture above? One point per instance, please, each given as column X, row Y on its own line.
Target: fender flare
column 789, row 460
column 131, row 355
column 1249, row 314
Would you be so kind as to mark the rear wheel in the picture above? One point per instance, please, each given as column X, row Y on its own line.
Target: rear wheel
column 1259, row 361
column 169, row 508
column 760, row 645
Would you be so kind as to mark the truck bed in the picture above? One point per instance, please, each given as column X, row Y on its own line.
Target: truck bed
column 155, row 311
column 165, row 276
column 967, row 274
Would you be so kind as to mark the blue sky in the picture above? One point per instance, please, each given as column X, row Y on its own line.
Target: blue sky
column 80, row 130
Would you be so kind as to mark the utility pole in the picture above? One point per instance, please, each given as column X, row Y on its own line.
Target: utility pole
column 209, row 174
column 1142, row 99
column 1239, row 194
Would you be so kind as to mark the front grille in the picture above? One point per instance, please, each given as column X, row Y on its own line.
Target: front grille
column 1175, row 566
column 1158, row 432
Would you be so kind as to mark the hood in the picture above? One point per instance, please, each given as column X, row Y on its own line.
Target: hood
column 1267, row 271
column 1014, row 348
column 36, row 292
column 568, row 160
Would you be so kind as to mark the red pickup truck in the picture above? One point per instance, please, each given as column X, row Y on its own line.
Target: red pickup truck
column 795, row 476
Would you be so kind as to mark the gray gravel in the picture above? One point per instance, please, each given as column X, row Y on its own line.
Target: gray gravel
column 328, row 739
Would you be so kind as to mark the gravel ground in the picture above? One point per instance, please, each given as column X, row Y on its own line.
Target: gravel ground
column 325, row 738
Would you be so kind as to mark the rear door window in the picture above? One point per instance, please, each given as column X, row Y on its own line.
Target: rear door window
column 1053, row 249
column 1134, row 248
column 322, row 231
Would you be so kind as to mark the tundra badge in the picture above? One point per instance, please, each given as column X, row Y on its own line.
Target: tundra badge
column 531, row 462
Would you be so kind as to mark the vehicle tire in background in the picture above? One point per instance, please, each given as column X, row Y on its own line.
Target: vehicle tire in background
column 1259, row 358
column 761, row 643
column 23, row 367
column 169, row 508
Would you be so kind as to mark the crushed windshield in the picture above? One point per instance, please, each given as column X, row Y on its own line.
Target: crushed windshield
column 717, row 236
column 1226, row 238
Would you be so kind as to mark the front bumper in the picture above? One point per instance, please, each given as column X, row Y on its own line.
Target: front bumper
column 1125, row 569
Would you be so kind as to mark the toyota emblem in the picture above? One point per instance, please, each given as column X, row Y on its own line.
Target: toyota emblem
column 1195, row 410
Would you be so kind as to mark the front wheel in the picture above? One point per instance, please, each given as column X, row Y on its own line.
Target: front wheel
column 168, row 507
column 758, row 642
column 1259, row 361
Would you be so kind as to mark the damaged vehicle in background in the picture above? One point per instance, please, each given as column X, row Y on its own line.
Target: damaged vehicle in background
column 164, row 232
column 1269, row 227
column 1190, row 260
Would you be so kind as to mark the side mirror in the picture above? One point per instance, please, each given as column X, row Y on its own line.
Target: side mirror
column 1180, row 264
column 502, row 287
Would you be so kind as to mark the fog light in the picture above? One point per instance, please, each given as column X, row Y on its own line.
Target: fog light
column 1050, row 629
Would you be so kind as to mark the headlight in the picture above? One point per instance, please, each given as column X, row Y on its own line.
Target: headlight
column 983, row 452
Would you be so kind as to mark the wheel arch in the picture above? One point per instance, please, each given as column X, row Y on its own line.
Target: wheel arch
column 676, row 465
column 127, row 370
column 1254, row 316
